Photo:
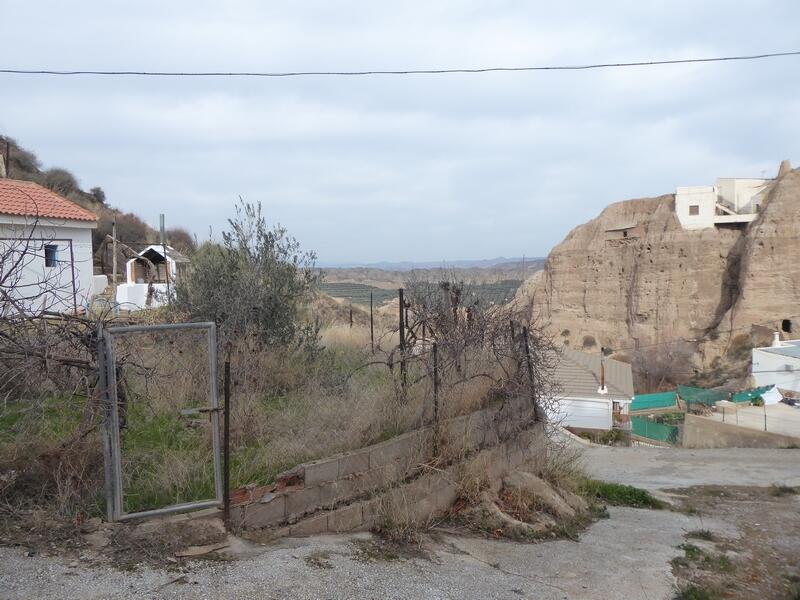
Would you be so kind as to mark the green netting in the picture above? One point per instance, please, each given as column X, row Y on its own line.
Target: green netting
column 750, row 395
column 653, row 401
column 693, row 395
column 648, row 428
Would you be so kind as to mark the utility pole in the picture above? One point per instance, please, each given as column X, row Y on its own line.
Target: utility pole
column 164, row 249
column 114, row 263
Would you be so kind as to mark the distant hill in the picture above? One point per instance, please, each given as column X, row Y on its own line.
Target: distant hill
column 440, row 264
column 490, row 273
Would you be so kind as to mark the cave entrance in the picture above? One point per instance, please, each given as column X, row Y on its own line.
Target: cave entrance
column 786, row 326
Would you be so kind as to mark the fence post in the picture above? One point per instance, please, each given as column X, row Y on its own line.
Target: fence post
column 226, row 446
column 108, row 424
column 351, row 315
column 530, row 373
column 435, row 399
column 402, row 337
column 371, row 326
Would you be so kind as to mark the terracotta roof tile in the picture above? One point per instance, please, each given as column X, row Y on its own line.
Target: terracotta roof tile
column 28, row 199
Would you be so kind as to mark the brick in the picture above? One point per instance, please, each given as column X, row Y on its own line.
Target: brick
column 314, row 525
column 356, row 462
column 321, row 471
column 302, row 501
column 347, row 518
column 263, row 514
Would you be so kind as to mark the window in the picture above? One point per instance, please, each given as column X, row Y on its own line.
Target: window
column 50, row 255
column 786, row 325
column 694, row 209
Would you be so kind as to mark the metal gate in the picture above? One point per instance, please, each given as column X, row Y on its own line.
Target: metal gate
column 112, row 446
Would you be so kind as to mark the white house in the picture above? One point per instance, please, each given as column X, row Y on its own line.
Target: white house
column 778, row 364
column 45, row 248
column 729, row 201
column 151, row 277
column 594, row 391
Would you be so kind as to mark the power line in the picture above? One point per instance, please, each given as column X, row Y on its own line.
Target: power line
column 584, row 67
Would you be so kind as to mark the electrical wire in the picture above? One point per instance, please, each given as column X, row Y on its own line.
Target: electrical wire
column 477, row 70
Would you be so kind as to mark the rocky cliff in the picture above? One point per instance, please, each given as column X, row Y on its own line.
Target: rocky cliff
column 633, row 277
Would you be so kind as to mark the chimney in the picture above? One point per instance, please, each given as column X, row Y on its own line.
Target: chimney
column 2, row 166
column 776, row 339
column 602, row 389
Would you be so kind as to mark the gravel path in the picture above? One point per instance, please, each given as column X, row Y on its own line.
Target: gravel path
column 624, row 557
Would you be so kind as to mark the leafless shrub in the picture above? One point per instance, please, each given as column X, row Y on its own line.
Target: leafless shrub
column 657, row 368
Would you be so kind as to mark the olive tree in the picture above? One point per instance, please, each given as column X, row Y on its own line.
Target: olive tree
column 253, row 284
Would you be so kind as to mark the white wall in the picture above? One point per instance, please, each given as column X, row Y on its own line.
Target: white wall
column 588, row 413
column 783, row 371
column 133, row 296
column 742, row 194
column 705, row 197
column 66, row 235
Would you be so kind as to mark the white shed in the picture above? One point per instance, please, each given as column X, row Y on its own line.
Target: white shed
column 52, row 239
column 150, row 277
column 778, row 365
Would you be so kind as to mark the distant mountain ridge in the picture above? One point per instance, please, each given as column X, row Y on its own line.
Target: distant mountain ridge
column 442, row 264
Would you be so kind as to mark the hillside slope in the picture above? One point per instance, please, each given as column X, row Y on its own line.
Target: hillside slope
column 659, row 282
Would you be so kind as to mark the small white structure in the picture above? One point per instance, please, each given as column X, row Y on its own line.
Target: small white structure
column 595, row 391
column 52, row 238
column 729, row 201
column 778, row 364
column 151, row 277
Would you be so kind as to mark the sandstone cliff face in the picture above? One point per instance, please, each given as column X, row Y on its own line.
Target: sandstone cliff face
column 632, row 276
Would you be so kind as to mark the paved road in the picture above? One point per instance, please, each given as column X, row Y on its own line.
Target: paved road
column 624, row 557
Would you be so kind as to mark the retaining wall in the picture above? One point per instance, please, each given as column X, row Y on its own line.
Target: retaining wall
column 703, row 432
column 342, row 493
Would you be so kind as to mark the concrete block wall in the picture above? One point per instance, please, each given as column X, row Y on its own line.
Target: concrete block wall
column 339, row 484
column 422, row 499
column 704, row 432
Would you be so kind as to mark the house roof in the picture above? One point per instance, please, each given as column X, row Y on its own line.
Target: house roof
column 791, row 349
column 171, row 253
column 28, row 199
column 578, row 375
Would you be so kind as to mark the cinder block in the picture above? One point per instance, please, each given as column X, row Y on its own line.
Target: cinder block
column 338, row 491
column 311, row 526
column 302, row 501
column 375, row 479
column 347, row 518
column 264, row 514
column 403, row 446
column 321, row 471
column 355, row 462
column 369, row 511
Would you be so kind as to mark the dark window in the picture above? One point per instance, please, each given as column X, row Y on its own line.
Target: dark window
column 786, row 325
column 625, row 234
column 50, row 255
column 694, row 209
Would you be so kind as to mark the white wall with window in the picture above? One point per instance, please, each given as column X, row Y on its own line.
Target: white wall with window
column 58, row 257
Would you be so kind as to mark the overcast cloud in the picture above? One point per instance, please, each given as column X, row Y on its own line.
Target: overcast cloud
column 401, row 168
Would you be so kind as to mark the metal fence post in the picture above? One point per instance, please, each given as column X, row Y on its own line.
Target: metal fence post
column 435, row 398
column 105, row 404
column 226, row 447
column 530, row 373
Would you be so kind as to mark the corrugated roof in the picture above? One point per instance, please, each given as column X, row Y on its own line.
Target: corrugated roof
column 28, row 199
column 578, row 375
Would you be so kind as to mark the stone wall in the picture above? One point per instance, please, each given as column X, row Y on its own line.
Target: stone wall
column 341, row 493
column 702, row 432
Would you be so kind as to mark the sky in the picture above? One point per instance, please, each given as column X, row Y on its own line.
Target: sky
column 412, row 168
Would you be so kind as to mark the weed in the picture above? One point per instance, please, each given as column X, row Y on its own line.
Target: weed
column 618, row 494
column 701, row 534
column 697, row 592
column 784, row 490
column 693, row 555
column 319, row 559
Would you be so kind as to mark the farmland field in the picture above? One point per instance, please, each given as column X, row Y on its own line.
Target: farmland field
column 498, row 292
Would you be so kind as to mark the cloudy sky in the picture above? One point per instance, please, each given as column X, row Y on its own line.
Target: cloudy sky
column 401, row 168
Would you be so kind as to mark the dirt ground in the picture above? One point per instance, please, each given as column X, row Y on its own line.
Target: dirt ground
column 734, row 504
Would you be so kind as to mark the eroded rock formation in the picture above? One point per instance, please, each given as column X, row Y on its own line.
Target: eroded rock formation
column 633, row 277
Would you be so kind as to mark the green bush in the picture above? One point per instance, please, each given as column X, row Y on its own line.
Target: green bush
column 618, row 494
